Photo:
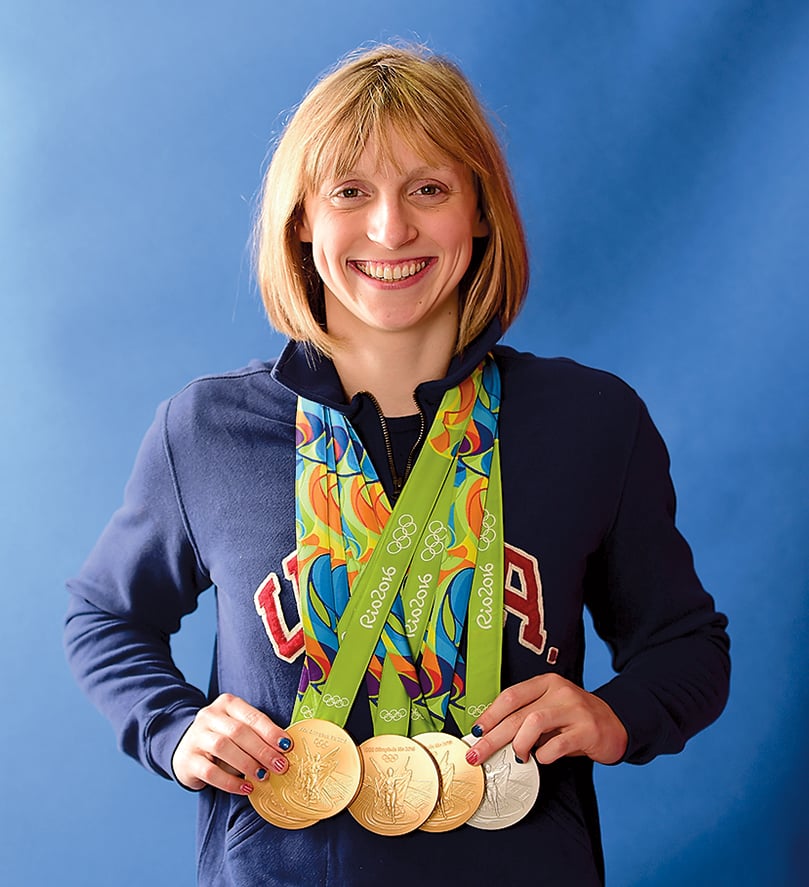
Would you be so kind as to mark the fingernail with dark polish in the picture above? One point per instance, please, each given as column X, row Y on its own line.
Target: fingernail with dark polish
column 261, row 773
column 477, row 731
column 284, row 743
column 279, row 765
column 519, row 760
column 246, row 788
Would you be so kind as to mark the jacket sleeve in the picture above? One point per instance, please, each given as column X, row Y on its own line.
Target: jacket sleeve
column 141, row 578
column 668, row 643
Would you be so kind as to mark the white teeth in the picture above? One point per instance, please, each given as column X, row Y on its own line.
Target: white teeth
column 384, row 271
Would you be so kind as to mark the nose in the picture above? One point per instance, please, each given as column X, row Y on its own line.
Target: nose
column 390, row 223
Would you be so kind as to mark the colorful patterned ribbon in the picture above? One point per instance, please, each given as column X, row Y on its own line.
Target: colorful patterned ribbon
column 366, row 605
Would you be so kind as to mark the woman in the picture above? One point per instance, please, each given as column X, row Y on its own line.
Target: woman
column 390, row 251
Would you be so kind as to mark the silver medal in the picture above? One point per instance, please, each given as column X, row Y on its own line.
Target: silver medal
column 511, row 789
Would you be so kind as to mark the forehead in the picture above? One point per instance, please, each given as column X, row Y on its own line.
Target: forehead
column 386, row 149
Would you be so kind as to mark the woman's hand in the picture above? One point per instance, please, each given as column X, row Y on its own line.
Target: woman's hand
column 554, row 716
column 228, row 744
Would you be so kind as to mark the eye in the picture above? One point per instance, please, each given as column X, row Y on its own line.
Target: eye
column 346, row 193
column 429, row 190
column 430, row 193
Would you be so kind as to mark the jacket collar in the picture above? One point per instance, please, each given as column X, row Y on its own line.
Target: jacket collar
column 308, row 373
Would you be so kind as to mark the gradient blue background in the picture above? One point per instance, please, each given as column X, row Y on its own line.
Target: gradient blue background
column 660, row 151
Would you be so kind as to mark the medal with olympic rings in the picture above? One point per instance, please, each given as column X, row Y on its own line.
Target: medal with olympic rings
column 400, row 786
column 324, row 775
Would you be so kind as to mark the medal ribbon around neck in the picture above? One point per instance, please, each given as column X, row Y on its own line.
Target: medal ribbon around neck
column 367, row 600
column 463, row 561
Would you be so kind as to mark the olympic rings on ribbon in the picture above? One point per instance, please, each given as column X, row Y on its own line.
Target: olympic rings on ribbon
column 475, row 711
column 402, row 536
column 392, row 714
column 487, row 531
column 335, row 701
column 436, row 540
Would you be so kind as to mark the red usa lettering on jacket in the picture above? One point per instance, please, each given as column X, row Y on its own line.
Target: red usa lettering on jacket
column 523, row 600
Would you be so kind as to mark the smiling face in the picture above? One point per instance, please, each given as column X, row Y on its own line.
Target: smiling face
column 391, row 240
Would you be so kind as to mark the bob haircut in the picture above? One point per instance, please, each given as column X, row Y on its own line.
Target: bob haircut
column 425, row 100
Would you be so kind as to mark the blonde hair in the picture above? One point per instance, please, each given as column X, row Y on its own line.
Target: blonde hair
column 426, row 100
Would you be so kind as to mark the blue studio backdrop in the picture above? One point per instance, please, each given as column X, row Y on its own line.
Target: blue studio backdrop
column 659, row 149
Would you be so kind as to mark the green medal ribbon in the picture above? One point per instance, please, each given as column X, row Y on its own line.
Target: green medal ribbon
column 377, row 585
column 467, row 554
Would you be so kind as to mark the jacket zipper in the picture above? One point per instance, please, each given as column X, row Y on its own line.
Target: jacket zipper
column 398, row 480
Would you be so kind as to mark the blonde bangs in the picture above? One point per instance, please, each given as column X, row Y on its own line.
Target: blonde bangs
column 383, row 118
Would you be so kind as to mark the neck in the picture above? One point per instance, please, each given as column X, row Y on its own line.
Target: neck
column 392, row 365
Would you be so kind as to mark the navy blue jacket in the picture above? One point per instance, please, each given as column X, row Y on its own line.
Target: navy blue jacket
column 588, row 520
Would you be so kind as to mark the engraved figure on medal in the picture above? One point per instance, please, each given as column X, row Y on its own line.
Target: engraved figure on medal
column 315, row 771
column 390, row 791
column 325, row 771
column 511, row 789
column 462, row 784
column 319, row 785
column 497, row 778
column 400, row 786
column 447, row 770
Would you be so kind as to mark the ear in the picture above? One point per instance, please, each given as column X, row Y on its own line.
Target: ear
column 303, row 228
column 481, row 226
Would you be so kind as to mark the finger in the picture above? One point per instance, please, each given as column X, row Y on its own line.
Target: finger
column 238, row 745
column 523, row 729
column 229, row 755
column 265, row 727
column 538, row 726
column 197, row 769
column 253, row 731
column 496, row 738
column 511, row 700
column 217, row 775
column 560, row 744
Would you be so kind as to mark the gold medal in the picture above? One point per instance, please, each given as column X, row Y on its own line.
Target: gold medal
column 325, row 771
column 269, row 806
column 462, row 785
column 399, row 788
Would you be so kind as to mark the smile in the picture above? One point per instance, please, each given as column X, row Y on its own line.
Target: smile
column 391, row 271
